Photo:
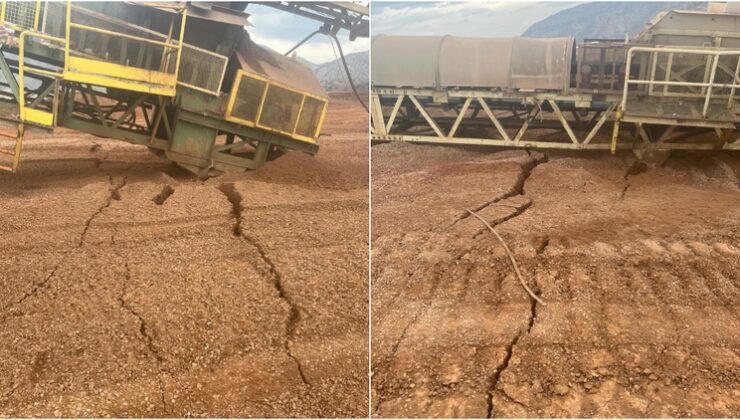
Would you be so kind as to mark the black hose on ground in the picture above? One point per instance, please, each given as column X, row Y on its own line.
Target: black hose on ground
column 346, row 69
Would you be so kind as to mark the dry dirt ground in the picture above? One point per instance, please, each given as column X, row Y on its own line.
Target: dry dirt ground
column 132, row 289
column 638, row 267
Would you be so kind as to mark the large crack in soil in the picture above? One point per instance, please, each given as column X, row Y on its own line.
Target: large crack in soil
column 394, row 350
column 493, row 385
column 113, row 195
column 635, row 168
column 145, row 335
column 518, row 211
column 36, row 287
column 516, row 189
column 235, row 198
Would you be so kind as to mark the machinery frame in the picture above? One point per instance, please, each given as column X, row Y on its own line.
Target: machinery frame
column 391, row 123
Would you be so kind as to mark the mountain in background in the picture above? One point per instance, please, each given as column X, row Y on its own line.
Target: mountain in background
column 332, row 77
column 604, row 19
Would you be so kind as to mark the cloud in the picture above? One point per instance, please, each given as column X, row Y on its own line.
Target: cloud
column 318, row 50
column 461, row 18
column 281, row 31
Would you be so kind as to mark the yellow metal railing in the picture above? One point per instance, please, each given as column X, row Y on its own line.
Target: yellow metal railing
column 102, row 73
column 30, row 114
column 258, row 120
column 93, row 71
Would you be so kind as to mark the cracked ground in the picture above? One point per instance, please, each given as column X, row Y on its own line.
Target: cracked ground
column 132, row 289
column 638, row 267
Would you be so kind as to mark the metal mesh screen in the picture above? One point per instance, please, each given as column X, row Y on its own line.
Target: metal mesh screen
column 248, row 97
column 310, row 117
column 202, row 69
column 20, row 13
column 280, row 110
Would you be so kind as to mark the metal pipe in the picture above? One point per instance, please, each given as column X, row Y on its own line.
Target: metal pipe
column 21, row 87
column 709, row 88
column 627, row 81
column 668, row 72
column 182, row 37
column 36, row 15
column 68, row 31
column 22, row 67
column 298, row 116
column 690, row 84
column 684, row 50
column 731, row 99
column 653, row 67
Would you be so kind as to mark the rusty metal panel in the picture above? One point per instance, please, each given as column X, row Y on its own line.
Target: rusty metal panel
column 404, row 60
column 442, row 62
column 277, row 68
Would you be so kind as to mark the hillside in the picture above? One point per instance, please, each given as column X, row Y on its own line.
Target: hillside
column 333, row 78
column 604, row 19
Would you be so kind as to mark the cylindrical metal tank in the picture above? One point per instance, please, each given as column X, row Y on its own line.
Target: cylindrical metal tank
column 447, row 61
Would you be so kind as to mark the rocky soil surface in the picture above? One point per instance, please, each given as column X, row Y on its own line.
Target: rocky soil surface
column 638, row 267
column 132, row 289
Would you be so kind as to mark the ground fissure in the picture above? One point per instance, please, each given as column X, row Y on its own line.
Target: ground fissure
column 235, row 198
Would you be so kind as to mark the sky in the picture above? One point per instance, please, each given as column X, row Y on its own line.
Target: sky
column 487, row 19
column 281, row 30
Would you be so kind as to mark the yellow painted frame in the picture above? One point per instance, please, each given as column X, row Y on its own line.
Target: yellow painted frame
column 232, row 99
column 29, row 114
column 101, row 73
column 95, row 72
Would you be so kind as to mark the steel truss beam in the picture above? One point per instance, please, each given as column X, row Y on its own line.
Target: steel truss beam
column 400, row 126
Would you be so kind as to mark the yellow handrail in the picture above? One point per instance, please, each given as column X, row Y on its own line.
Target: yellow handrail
column 22, row 66
column 22, row 39
column 166, row 45
column 122, row 35
column 182, row 36
column 36, row 15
